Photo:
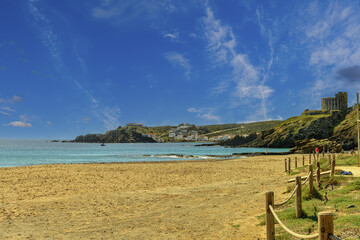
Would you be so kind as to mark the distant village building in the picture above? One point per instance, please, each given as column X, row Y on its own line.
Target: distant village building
column 339, row 102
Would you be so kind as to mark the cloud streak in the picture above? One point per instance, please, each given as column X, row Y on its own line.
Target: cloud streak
column 206, row 114
column 19, row 124
column 52, row 43
column 179, row 60
column 333, row 43
column 127, row 10
column 48, row 36
column 249, row 80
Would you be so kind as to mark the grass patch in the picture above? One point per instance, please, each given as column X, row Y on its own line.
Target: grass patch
column 315, row 194
column 294, row 172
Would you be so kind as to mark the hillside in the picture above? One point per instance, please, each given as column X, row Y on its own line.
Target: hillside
column 120, row 135
column 238, row 129
column 136, row 133
column 346, row 132
column 309, row 125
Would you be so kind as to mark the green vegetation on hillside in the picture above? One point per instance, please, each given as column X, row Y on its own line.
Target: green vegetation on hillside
column 346, row 132
column 309, row 125
column 238, row 129
column 134, row 133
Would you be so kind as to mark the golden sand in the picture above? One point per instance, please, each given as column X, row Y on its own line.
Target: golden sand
column 167, row 200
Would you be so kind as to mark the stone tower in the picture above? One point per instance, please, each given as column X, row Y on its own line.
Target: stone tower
column 339, row 102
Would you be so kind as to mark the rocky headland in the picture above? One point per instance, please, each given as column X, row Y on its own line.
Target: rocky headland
column 328, row 130
column 119, row 135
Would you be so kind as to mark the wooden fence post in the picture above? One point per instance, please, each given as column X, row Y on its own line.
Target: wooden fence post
column 314, row 156
column 270, row 222
column 309, row 158
column 325, row 224
column 329, row 156
column 311, row 180
column 318, row 174
column 289, row 165
column 285, row 165
column 295, row 162
column 298, row 197
column 332, row 172
column 303, row 160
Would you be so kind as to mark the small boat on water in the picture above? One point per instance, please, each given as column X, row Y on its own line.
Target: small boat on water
column 103, row 144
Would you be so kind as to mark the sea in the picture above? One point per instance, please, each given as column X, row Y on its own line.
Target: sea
column 16, row 153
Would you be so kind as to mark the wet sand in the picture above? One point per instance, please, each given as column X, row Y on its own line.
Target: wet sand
column 167, row 200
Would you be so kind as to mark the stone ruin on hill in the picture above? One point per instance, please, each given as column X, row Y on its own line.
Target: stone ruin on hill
column 339, row 102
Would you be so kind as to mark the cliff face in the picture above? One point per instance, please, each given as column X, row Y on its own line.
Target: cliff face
column 346, row 132
column 306, row 126
column 119, row 135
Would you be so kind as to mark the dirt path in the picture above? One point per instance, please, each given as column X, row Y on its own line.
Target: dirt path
column 182, row 200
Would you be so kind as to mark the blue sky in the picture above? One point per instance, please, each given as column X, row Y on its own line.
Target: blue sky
column 74, row 67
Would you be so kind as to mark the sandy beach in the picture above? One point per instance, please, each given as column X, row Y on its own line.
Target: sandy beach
column 167, row 200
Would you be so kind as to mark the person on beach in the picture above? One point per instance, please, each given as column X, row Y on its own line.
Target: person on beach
column 266, row 151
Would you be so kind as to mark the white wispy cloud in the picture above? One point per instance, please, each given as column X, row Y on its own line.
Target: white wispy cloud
column 19, row 124
column 91, row 97
column 48, row 36
column 206, row 113
column 174, row 35
column 249, row 79
column 7, row 109
column 179, row 60
column 86, row 120
column 111, row 117
column 24, row 123
column 16, row 99
column 5, row 113
column 126, row 10
column 332, row 41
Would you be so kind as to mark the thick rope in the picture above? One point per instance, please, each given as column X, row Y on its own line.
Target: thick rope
column 292, row 194
column 325, row 167
column 288, row 230
column 307, row 179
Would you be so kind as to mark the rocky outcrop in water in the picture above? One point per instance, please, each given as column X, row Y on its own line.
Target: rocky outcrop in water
column 120, row 135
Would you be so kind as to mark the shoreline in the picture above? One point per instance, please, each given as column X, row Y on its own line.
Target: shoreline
column 202, row 199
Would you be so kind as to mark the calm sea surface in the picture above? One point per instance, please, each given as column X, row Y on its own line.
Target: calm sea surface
column 15, row 153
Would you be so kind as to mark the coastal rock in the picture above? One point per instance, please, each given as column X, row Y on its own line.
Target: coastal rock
column 302, row 127
column 303, row 132
column 120, row 135
column 89, row 138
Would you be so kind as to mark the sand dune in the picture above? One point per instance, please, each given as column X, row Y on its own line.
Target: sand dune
column 168, row 200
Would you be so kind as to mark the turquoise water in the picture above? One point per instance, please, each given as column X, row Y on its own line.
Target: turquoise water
column 14, row 153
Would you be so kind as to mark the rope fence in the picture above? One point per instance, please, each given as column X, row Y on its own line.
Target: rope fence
column 288, row 230
column 307, row 179
column 325, row 219
column 282, row 203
